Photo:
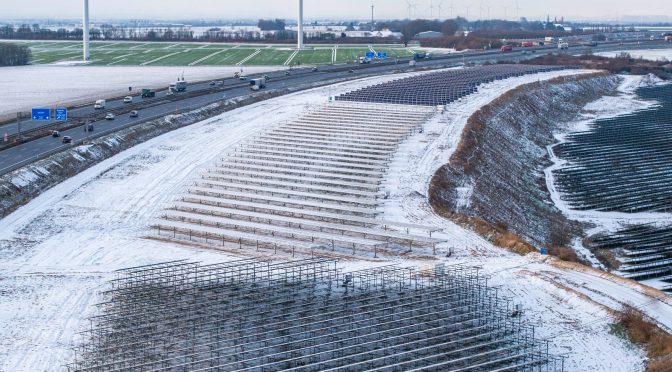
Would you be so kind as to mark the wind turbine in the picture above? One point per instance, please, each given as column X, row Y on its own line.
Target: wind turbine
column 480, row 11
column 439, row 7
column 468, row 7
column 452, row 9
column 518, row 9
column 506, row 12
column 85, row 31
column 300, row 30
column 411, row 6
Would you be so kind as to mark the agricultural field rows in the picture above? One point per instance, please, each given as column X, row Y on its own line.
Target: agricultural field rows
column 203, row 54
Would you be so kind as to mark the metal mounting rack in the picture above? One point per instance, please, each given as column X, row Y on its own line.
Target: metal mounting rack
column 306, row 315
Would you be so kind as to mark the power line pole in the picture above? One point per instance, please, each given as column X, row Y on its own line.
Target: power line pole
column 85, row 31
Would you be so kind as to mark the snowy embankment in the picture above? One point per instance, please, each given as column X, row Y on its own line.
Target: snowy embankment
column 25, row 87
column 59, row 249
column 496, row 175
column 650, row 54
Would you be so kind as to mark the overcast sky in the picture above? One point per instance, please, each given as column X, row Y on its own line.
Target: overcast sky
column 341, row 9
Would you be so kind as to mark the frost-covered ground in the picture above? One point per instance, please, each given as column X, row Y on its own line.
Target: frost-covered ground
column 25, row 87
column 650, row 54
column 59, row 249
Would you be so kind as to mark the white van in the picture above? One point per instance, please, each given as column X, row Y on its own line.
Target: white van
column 100, row 104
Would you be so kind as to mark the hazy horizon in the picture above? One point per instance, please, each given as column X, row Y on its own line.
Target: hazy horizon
column 344, row 9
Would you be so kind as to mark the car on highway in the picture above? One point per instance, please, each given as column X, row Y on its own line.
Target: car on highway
column 55, row 134
column 170, row 93
column 212, row 83
column 109, row 116
column 128, row 99
column 243, row 78
column 220, row 83
column 67, row 139
column 89, row 128
column 314, row 69
column 287, row 73
column 134, row 114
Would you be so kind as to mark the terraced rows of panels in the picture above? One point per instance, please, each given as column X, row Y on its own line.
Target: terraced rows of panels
column 310, row 184
column 645, row 252
column 439, row 88
column 621, row 164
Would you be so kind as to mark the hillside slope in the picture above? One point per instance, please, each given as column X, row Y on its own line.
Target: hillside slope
column 496, row 173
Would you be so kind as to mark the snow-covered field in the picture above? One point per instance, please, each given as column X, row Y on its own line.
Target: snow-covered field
column 650, row 54
column 25, row 87
column 59, row 249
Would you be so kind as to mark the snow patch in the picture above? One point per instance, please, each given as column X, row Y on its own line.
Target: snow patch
column 650, row 54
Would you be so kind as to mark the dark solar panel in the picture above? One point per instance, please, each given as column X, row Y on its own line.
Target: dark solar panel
column 440, row 88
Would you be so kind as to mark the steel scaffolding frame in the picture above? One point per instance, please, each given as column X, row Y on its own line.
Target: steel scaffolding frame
column 307, row 315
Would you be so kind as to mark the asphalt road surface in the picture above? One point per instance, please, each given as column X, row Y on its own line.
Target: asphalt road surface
column 162, row 105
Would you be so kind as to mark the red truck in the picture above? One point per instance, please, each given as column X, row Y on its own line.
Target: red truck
column 506, row 48
column 668, row 39
column 527, row 44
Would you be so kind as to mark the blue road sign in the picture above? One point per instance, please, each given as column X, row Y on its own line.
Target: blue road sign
column 382, row 55
column 41, row 114
column 370, row 54
column 61, row 114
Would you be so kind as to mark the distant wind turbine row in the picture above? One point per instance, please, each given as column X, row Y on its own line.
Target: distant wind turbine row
column 486, row 9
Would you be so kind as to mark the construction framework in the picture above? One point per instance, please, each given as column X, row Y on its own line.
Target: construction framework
column 307, row 315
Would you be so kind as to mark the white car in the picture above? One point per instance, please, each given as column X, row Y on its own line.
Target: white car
column 128, row 99
column 109, row 116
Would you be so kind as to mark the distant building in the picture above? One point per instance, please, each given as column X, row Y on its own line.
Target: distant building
column 428, row 35
column 338, row 31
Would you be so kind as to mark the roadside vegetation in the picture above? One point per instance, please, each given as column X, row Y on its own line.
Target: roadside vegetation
column 14, row 55
column 643, row 331
column 623, row 63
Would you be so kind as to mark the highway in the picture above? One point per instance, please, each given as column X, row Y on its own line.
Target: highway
column 202, row 94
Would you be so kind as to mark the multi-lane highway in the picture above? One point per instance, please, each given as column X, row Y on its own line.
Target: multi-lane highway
column 202, row 94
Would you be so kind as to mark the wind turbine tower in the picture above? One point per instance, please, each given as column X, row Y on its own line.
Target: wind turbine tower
column 372, row 7
column 85, row 30
column 300, row 33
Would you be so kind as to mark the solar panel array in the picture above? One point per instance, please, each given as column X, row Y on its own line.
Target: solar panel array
column 440, row 88
column 645, row 252
column 621, row 164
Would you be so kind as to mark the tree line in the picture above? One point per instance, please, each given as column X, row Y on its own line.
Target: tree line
column 14, row 55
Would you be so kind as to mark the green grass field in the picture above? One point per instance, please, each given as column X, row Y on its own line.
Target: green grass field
column 202, row 54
